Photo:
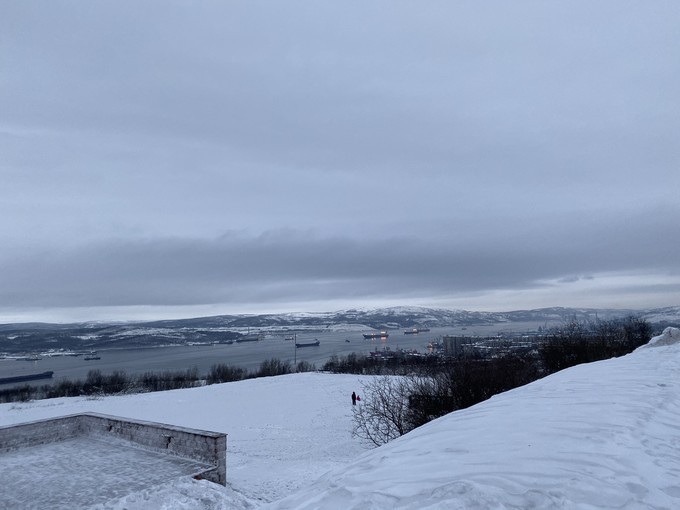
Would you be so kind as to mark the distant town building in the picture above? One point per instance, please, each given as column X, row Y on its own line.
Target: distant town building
column 454, row 346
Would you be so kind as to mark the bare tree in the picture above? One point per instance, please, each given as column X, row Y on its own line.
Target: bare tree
column 381, row 414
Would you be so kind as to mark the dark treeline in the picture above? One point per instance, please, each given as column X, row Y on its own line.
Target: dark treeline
column 432, row 386
column 118, row 382
column 572, row 344
column 583, row 342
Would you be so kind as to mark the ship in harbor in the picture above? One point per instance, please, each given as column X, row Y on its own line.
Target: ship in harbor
column 415, row 331
column 315, row 343
column 382, row 334
column 248, row 338
column 27, row 377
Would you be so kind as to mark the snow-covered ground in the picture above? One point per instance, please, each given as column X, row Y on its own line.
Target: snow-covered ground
column 601, row 435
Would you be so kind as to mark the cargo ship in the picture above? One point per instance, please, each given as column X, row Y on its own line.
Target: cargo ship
column 382, row 334
column 415, row 331
column 27, row 377
column 248, row 338
column 315, row 343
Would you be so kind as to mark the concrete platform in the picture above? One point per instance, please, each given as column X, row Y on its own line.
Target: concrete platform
column 81, row 472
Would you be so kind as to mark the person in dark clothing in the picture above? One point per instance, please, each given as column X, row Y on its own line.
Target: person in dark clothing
column 354, row 399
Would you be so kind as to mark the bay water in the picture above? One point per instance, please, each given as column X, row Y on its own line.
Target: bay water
column 248, row 355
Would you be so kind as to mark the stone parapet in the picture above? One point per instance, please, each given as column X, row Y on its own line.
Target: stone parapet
column 203, row 446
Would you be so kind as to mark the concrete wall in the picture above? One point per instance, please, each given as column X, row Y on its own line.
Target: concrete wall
column 38, row 432
column 206, row 447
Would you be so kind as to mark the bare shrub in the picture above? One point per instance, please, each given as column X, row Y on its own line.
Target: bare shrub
column 222, row 373
column 382, row 414
column 305, row 366
column 273, row 366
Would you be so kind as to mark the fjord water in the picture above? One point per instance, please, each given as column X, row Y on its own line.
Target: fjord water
column 247, row 355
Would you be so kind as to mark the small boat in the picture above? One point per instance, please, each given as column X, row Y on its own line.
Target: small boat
column 91, row 358
column 382, row 334
column 289, row 338
column 315, row 343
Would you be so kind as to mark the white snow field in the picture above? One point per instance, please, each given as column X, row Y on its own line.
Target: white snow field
column 600, row 435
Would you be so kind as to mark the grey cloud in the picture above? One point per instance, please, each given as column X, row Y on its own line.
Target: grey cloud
column 361, row 99
column 574, row 279
column 384, row 149
column 302, row 265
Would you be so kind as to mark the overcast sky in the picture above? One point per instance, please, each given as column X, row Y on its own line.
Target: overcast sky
column 174, row 159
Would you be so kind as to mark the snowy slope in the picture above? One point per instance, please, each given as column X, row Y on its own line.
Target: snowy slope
column 602, row 435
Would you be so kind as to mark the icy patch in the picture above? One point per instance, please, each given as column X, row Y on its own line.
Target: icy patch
column 82, row 472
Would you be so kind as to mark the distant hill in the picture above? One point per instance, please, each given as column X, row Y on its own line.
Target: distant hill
column 406, row 317
column 22, row 337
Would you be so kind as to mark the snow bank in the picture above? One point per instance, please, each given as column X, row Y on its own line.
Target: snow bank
column 669, row 336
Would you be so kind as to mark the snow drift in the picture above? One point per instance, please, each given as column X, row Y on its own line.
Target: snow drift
column 669, row 336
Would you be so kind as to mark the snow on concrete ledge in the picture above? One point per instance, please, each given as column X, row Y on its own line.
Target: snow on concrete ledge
column 202, row 446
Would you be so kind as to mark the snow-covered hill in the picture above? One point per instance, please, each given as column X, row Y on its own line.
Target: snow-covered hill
column 600, row 435
column 36, row 337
